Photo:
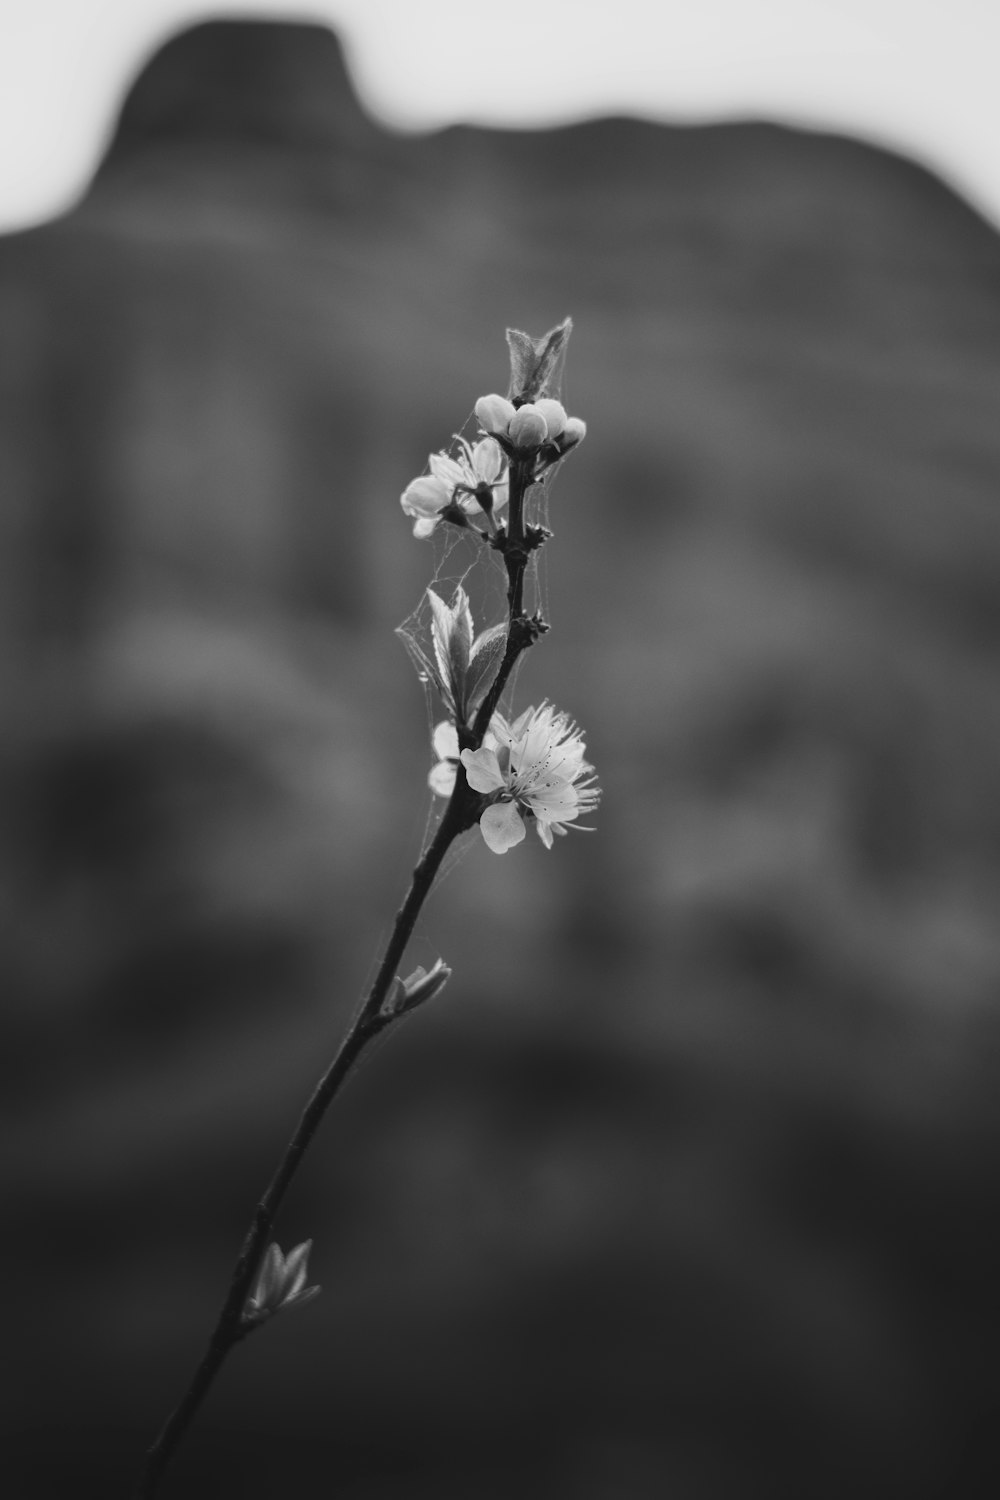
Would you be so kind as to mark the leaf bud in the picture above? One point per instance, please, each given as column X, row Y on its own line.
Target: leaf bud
column 421, row 985
column 280, row 1284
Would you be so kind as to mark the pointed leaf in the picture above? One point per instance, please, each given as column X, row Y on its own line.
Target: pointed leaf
column 296, row 1268
column 459, row 647
column 451, row 633
column 536, row 364
column 269, row 1276
column 440, row 633
column 487, row 654
column 427, row 671
column 445, row 740
column 301, row 1298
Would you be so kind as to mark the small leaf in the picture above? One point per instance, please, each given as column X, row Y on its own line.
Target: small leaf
column 536, row 364
column 451, row 632
column 269, row 1276
column 460, row 644
column 297, row 1268
column 486, row 656
column 299, row 1299
column 426, row 669
column 440, row 633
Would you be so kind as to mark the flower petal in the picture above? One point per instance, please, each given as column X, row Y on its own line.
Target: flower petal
column 441, row 779
column 445, row 740
column 502, row 826
column 487, row 460
column 448, row 471
column 296, row 1268
column 554, row 801
column 482, row 770
column 425, row 496
column 301, row 1298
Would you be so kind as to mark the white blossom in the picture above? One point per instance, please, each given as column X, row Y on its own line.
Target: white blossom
column 535, row 772
column 473, row 483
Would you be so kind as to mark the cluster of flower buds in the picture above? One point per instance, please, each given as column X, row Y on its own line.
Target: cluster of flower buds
column 531, row 426
column 471, row 485
column 280, row 1285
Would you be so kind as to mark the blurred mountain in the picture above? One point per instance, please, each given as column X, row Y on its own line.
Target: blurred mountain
column 686, row 1186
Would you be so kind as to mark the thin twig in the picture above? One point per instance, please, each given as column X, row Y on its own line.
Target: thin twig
column 370, row 1021
column 521, row 632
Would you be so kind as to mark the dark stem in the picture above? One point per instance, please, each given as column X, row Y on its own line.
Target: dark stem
column 458, row 815
column 370, row 1021
column 521, row 632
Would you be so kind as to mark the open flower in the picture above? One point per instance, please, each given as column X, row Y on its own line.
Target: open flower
column 473, row 482
column 535, row 772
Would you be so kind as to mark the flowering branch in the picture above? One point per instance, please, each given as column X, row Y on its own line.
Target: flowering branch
column 503, row 775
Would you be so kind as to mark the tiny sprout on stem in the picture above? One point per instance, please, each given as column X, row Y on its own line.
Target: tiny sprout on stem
column 280, row 1285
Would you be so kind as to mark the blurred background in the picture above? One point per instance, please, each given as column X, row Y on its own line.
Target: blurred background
column 686, row 1185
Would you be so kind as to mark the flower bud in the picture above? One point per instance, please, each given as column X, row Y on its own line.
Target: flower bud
column 527, row 428
column 555, row 415
column 574, row 432
column 493, row 413
column 421, row 985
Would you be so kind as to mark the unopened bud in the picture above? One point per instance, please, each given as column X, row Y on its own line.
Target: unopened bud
column 493, row 413
column 423, row 984
column 574, row 432
column 280, row 1284
column 554, row 413
column 528, row 427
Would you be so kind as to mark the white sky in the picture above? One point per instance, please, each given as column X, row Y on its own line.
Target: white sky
column 920, row 76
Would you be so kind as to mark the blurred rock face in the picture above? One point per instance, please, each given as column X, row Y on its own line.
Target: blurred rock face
column 685, row 1186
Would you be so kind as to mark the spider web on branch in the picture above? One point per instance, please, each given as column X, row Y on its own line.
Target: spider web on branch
column 461, row 559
